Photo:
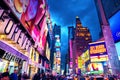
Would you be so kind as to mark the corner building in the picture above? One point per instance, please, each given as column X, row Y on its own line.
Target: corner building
column 81, row 39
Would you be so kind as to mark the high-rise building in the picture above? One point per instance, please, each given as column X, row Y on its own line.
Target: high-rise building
column 57, row 30
column 57, row 50
column 78, row 39
column 80, row 44
column 82, row 37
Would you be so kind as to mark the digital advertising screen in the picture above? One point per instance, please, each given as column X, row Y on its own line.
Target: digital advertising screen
column 117, row 45
column 96, row 68
column 32, row 15
column 114, row 22
column 85, row 56
column 98, row 51
column 80, row 62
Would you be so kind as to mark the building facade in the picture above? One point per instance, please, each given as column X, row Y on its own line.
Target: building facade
column 22, row 40
column 82, row 37
column 57, row 49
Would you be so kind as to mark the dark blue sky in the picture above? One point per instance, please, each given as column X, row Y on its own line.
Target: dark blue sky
column 63, row 12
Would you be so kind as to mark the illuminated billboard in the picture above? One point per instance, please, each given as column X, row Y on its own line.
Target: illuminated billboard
column 114, row 22
column 80, row 61
column 30, row 12
column 85, row 56
column 32, row 15
column 57, row 42
column 95, row 68
column 98, row 51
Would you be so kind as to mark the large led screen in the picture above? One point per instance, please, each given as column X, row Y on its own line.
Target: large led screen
column 114, row 22
column 95, row 68
column 32, row 14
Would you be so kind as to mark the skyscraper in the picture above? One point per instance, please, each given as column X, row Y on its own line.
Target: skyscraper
column 82, row 37
column 78, row 39
column 57, row 50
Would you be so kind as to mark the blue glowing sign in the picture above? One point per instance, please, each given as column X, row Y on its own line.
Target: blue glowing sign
column 114, row 22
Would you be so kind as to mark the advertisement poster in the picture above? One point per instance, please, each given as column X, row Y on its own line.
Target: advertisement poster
column 32, row 15
column 98, row 51
column 115, row 29
column 96, row 68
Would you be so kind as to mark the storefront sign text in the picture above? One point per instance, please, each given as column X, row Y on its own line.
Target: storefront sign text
column 13, row 31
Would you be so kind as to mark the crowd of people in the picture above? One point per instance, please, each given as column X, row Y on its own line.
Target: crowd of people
column 24, row 76
column 41, row 75
column 13, row 76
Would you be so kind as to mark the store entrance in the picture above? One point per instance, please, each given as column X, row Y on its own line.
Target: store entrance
column 3, row 65
column 9, row 62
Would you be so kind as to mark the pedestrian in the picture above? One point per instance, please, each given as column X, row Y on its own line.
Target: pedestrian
column 19, row 76
column 5, row 76
column 36, row 76
column 14, row 75
column 24, row 76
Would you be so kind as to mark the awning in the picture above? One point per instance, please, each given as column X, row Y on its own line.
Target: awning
column 6, row 47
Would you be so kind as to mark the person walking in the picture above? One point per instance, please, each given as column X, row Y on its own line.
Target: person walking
column 5, row 76
column 14, row 75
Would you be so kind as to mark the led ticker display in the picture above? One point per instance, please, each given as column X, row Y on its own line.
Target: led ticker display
column 98, row 51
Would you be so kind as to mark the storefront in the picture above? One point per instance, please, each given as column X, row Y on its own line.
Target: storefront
column 10, row 61
column 33, row 65
column 32, row 69
column 15, row 43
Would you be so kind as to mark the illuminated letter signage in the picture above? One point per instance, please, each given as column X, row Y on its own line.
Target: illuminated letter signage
column 98, row 51
column 97, row 48
column 14, row 32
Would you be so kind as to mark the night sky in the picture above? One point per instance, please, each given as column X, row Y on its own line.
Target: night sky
column 63, row 13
